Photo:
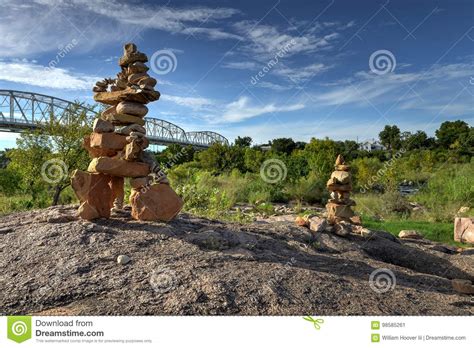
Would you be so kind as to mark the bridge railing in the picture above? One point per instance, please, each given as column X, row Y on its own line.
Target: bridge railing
column 20, row 110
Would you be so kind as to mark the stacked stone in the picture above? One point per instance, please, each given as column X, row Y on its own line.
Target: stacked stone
column 340, row 185
column 117, row 146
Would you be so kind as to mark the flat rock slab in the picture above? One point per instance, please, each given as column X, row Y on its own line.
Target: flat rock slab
column 196, row 266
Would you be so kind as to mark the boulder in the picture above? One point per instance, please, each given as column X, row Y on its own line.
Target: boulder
column 109, row 141
column 318, row 224
column 147, row 82
column 356, row 220
column 132, row 58
column 463, row 286
column 302, row 221
column 118, row 167
column 133, row 151
column 157, row 203
column 464, row 230
column 112, row 116
column 117, row 186
column 410, row 234
column 137, row 67
column 128, row 94
column 95, row 151
column 341, row 177
column 94, row 192
column 332, row 186
column 134, row 109
column 102, row 126
column 342, row 229
column 138, row 183
column 126, row 130
column 339, row 210
column 134, row 78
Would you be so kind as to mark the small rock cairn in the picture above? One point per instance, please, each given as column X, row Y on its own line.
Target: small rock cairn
column 339, row 206
column 117, row 148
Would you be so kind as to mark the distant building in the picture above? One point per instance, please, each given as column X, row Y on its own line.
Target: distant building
column 371, row 145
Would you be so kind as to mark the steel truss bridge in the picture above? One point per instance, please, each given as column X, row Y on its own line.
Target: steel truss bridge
column 25, row 110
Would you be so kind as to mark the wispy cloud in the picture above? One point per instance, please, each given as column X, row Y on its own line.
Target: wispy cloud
column 38, row 26
column 427, row 89
column 266, row 40
column 211, row 33
column 241, row 109
column 37, row 75
column 195, row 103
column 241, row 65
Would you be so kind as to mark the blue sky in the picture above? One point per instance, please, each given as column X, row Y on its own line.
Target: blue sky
column 341, row 69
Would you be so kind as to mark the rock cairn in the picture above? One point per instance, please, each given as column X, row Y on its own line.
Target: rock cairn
column 339, row 206
column 117, row 148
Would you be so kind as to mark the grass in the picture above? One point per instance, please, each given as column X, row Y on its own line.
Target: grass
column 435, row 231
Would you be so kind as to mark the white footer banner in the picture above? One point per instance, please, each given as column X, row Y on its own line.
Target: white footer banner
column 238, row 331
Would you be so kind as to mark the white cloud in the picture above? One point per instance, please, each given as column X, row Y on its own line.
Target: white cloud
column 38, row 75
column 266, row 40
column 195, row 103
column 438, row 84
column 241, row 109
column 240, row 65
column 211, row 33
column 39, row 26
column 302, row 73
column 273, row 86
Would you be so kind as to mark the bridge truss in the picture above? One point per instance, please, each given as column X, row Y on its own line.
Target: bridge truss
column 24, row 110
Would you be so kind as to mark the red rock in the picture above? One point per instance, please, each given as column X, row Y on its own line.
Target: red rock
column 96, row 152
column 464, row 230
column 318, row 224
column 118, row 167
column 94, row 192
column 134, row 78
column 128, row 94
column 109, row 141
column 339, row 210
column 117, row 187
column 301, row 221
column 137, row 67
column 102, row 126
column 157, row 203
column 356, row 220
column 138, row 183
column 134, row 109
column 463, row 286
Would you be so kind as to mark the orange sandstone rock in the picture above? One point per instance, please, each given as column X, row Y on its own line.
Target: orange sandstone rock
column 157, row 202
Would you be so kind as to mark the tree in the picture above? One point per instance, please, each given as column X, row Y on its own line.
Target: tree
column 418, row 140
column 450, row 132
column 390, row 137
column 243, row 142
column 321, row 155
column 283, row 145
column 45, row 157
